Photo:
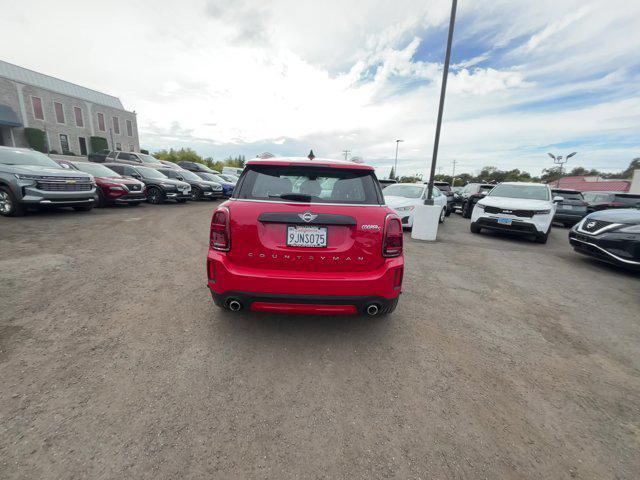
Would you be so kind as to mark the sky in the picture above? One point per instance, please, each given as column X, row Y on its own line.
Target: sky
column 243, row 77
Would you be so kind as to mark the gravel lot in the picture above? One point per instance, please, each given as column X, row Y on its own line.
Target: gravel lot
column 505, row 359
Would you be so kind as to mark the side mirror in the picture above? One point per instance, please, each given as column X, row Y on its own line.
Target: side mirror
column 180, row 178
column 557, row 199
column 136, row 175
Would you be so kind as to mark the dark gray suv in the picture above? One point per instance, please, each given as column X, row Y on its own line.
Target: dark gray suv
column 31, row 179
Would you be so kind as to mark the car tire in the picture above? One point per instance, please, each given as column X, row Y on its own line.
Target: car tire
column 155, row 196
column 9, row 205
column 197, row 194
column 443, row 214
column 474, row 228
column 100, row 201
column 466, row 210
column 449, row 211
column 84, row 208
column 543, row 237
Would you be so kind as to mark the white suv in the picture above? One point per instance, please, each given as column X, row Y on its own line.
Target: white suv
column 524, row 208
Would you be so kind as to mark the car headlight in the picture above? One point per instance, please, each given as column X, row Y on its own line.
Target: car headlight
column 203, row 185
column 630, row 229
column 21, row 176
column 542, row 212
column 480, row 206
column 116, row 188
column 405, row 209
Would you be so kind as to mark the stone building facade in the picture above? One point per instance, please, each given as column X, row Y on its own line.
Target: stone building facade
column 68, row 114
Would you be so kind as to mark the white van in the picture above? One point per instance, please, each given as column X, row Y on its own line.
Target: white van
column 232, row 171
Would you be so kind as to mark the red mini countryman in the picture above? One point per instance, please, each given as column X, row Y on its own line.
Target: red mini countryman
column 306, row 236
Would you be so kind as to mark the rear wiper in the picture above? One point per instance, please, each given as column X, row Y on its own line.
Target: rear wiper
column 298, row 197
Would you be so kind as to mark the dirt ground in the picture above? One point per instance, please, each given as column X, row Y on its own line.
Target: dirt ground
column 504, row 360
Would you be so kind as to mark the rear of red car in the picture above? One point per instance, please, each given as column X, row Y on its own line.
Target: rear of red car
column 306, row 236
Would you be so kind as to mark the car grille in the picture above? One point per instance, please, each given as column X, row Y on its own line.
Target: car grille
column 594, row 225
column 517, row 213
column 64, row 187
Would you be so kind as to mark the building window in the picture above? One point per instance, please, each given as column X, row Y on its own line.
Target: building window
column 101, row 126
column 36, row 103
column 118, row 145
column 116, row 126
column 57, row 106
column 77, row 111
column 129, row 128
column 64, row 143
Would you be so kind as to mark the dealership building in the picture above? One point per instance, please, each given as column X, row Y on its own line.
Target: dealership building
column 52, row 115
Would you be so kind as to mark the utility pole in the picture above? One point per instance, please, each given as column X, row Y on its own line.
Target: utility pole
column 453, row 174
column 445, row 74
column 346, row 154
column 395, row 165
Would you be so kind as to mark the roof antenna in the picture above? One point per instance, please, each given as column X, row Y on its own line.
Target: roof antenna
column 311, row 156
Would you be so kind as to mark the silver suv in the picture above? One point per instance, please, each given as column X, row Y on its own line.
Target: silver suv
column 133, row 158
column 31, row 179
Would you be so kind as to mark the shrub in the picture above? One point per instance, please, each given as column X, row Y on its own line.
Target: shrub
column 68, row 152
column 98, row 143
column 54, row 152
column 146, row 152
column 36, row 139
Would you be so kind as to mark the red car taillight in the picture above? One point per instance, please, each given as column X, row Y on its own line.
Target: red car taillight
column 392, row 237
column 220, row 237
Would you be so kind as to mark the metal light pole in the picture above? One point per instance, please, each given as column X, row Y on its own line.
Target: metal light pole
column 445, row 73
column 395, row 165
column 558, row 160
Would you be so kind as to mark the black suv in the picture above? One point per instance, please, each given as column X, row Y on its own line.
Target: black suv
column 200, row 189
column 445, row 188
column 571, row 209
column 159, row 187
column 471, row 193
column 610, row 235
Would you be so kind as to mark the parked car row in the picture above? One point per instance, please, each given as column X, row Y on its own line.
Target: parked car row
column 30, row 179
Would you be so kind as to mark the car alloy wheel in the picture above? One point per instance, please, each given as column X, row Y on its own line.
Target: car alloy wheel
column 155, row 195
column 197, row 194
column 6, row 205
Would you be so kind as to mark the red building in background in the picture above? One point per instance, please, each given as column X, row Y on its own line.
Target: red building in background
column 585, row 183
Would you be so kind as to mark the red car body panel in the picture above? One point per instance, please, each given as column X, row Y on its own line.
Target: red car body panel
column 106, row 184
column 265, row 274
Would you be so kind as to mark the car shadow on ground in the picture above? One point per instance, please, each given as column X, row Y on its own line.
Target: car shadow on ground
column 301, row 327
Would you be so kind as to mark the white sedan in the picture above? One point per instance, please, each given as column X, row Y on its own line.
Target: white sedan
column 404, row 197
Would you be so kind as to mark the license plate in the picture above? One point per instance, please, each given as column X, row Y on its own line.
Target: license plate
column 567, row 207
column 307, row 236
column 504, row 221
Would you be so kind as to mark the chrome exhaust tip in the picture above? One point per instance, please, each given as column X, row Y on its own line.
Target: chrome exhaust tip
column 234, row 305
column 373, row 310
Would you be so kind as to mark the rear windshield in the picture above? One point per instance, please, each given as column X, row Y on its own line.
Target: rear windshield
column 568, row 195
column 309, row 185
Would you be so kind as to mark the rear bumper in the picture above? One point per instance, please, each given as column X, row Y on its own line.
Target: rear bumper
column 358, row 289
column 304, row 304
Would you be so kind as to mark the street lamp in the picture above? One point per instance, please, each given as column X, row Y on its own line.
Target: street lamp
column 395, row 165
column 560, row 160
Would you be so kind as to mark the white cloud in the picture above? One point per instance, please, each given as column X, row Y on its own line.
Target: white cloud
column 290, row 75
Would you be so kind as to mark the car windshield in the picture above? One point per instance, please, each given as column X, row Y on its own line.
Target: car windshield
column 406, row 191
column 309, row 185
column 96, row 170
column 216, row 178
column 149, row 159
column 568, row 195
column 169, row 172
column 187, row 175
column 147, row 172
column 26, row 157
column 527, row 192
